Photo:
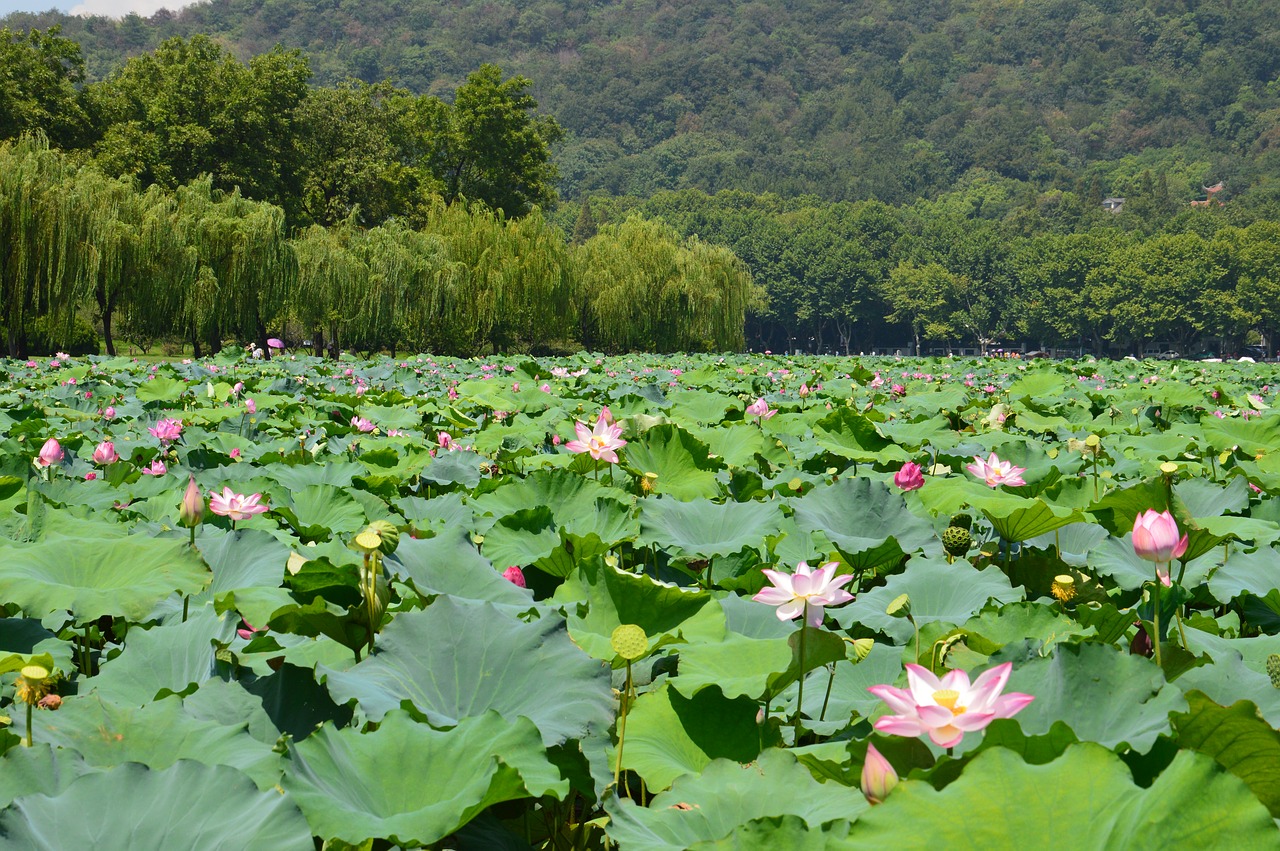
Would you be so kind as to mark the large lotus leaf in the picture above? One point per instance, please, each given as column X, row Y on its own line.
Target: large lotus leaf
column 38, row 769
column 705, row 529
column 997, row 626
column 736, row 445
column 298, row 477
column 449, row 564
column 164, row 659
column 1117, row 509
column 681, row 461
column 522, row 537
column 322, row 510
column 1085, row 799
column 868, row 522
column 769, row 834
column 1229, row 680
column 851, row 435
column 450, row 468
column 1253, row 572
column 1214, row 530
column 949, row 593
column 738, row 665
column 669, row 735
column 1115, row 557
column 754, row 620
column 246, row 558
column 1027, row 521
column 26, row 637
column 402, row 416
column 1204, row 498
column 1105, row 695
column 457, row 659
column 161, row 388
column 700, row 406
column 849, row 697
column 599, row 599
column 712, row 805
column 437, row 513
column 122, row 577
column 567, row 495
column 135, row 808
column 1072, row 543
column 1037, row 386
column 1255, row 436
column 156, row 735
column 1240, row 741
column 410, row 784
column 945, row 496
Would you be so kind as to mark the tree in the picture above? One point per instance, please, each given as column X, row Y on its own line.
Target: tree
column 585, row 227
column 488, row 145
column 921, row 299
column 40, row 72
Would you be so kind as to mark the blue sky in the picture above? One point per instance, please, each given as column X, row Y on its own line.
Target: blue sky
column 112, row 8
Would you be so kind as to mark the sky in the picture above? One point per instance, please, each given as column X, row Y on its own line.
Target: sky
column 110, row 8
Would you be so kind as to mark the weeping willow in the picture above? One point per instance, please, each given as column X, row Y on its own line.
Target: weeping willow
column 644, row 288
column 330, row 280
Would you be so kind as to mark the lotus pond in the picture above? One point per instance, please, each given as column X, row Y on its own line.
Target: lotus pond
column 460, row 604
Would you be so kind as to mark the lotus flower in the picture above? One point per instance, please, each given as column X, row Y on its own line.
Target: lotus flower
column 155, row 468
column 909, row 477
column 251, row 406
column 805, row 592
column 1155, row 538
column 602, row 442
column 445, row 440
column 105, row 453
column 878, row 776
column 235, row 506
column 167, row 430
column 996, row 472
column 361, row 424
column 247, row 631
column 760, row 409
column 51, row 453
column 946, row 709
column 515, row 576
column 191, row 512
column 109, row 413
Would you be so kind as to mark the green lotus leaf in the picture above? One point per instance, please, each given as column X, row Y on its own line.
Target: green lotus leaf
column 706, row 529
column 410, row 784
column 599, row 599
column 997, row 626
column 1238, row 739
column 868, row 522
column 246, row 558
column 165, row 659
column 947, row 593
column 121, row 577
column 682, row 462
column 738, row 446
column 157, row 735
column 324, row 510
column 137, row 808
column 449, row 564
column 1072, row 543
column 457, row 659
column 1229, row 680
column 700, row 407
column 1085, row 799
column 567, row 495
column 1035, row 517
column 1255, row 436
column 1104, row 694
column 739, row 665
column 39, row 769
column 25, row 637
column 522, row 537
column 1253, row 572
column 1204, row 498
column 298, row 477
column 450, row 468
column 768, row 834
column 712, row 805
column 441, row 512
column 160, row 389
column 851, row 435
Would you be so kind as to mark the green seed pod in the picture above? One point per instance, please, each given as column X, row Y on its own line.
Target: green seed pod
column 1273, row 669
column 956, row 541
column 630, row 642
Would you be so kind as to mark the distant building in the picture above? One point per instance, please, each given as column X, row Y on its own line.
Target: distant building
column 1112, row 205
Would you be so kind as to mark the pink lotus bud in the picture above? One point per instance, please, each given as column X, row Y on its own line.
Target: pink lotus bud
column 910, row 477
column 1155, row 538
column 878, row 776
column 51, row 453
column 515, row 576
column 760, row 408
column 804, row 390
column 444, row 440
column 251, row 406
column 192, row 510
column 105, row 453
column 90, row 476
column 237, row 388
column 235, row 453
column 109, row 413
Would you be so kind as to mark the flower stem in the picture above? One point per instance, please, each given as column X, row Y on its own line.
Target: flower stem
column 28, row 725
column 622, row 729
column 827, row 697
column 804, row 627
column 1156, row 618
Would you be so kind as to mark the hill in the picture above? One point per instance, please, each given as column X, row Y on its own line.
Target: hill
column 838, row 100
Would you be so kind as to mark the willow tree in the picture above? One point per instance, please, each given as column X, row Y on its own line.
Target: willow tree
column 39, row 252
column 250, row 264
column 644, row 288
column 401, row 301
column 330, row 282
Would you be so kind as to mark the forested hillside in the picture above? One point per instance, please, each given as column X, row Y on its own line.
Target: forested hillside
column 840, row 100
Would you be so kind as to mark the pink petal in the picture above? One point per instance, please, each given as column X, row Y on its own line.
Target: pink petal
column 773, row 596
column 897, row 725
column 1180, row 548
column 780, row 580
column 922, row 683
column 898, row 699
column 970, row 721
column 942, row 738
column 789, row 610
column 1011, row 704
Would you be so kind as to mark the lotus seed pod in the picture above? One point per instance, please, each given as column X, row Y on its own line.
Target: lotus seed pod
column 956, row 541
column 900, row 604
column 32, row 685
column 389, row 534
column 962, row 521
column 630, row 642
column 1273, row 669
column 1064, row 587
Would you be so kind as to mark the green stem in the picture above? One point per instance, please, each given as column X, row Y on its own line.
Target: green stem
column 1156, row 619
column 186, row 601
column 28, row 725
column 622, row 729
column 804, row 627
column 822, row 716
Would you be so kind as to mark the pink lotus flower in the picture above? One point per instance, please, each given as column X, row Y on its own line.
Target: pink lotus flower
column 1155, row 538
column 909, row 477
column 105, row 453
column 191, row 511
column 602, row 442
column 51, row 453
column 167, row 430
column 361, row 424
column 760, row 409
column 236, row 506
column 155, row 468
column 90, row 476
column 235, row 453
column 515, row 576
column 109, row 413
column 445, row 440
column 805, row 592
column 804, row 390
column 878, row 776
column 251, row 406
column 247, row 631
column 946, row 709
column 996, row 472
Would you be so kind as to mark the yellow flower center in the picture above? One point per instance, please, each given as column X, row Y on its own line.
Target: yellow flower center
column 947, row 697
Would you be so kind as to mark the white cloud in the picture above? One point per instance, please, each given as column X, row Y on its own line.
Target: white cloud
column 120, row 8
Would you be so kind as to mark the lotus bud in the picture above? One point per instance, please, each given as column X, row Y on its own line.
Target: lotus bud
column 191, row 513
column 51, row 453
column 878, row 776
column 515, row 576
